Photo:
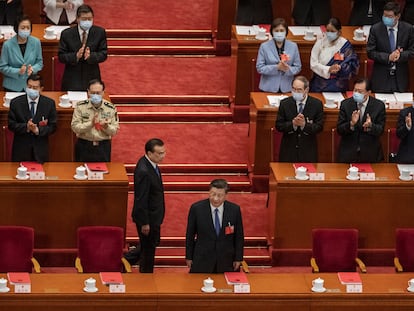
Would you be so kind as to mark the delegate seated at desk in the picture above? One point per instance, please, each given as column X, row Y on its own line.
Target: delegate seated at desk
column 361, row 122
column 299, row 118
column 405, row 133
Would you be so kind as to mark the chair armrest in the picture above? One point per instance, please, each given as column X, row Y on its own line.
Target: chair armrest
column 245, row 266
column 36, row 265
column 315, row 268
column 398, row 265
column 78, row 265
column 361, row 265
column 127, row 266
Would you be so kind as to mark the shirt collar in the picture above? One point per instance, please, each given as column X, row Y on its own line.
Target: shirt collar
column 152, row 163
column 220, row 208
column 29, row 100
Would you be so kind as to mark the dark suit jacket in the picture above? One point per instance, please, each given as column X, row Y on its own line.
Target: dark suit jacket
column 378, row 49
column 10, row 11
column 77, row 74
column 149, row 205
column 204, row 248
column 254, row 12
column 408, row 14
column 24, row 142
column 300, row 145
column 359, row 13
column 405, row 152
column 315, row 12
column 359, row 145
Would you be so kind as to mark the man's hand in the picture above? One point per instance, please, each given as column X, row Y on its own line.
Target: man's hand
column 236, row 265
column 145, row 229
column 367, row 124
column 80, row 52
column 299, row 120
column 408, row 120
column 32, row 127
column 355, row 117
column 87, row 53
column 189, row 262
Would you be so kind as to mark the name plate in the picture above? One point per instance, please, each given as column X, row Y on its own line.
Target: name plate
column 95, row 175
column 242, row 288
column 37, row 176
column 117, row 288
column 354, row 288
column 396, row 105
column 367, row 176
column 316, row 176
column 22, row 288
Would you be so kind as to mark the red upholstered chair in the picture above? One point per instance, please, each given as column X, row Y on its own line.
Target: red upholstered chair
column 255, row 76
column 276, row 139
column 16, row 250
column 335, row 250
column 8, row 137
column 57, row 70
column 368, row 66
column 404, row 250
column 393, row 143
column 335, row 141
column 100, row 249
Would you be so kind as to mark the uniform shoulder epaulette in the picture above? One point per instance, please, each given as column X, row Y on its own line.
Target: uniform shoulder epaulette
column 83, row 102
column 110, row 105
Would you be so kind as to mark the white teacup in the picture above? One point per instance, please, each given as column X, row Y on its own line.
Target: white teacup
column 359, row 34
column 64, row 99
column 80, row 171
column 405, row 174
column 318, row 284
column 329, row 102
column 353, row 172
column 7, row 100
column 49, row 33
column 309, row 34
column 90, row 284
column 3, row 283
column 301, row 172
column 22, row 172
column 208, row 283
column 261, row 33
column 411, row 284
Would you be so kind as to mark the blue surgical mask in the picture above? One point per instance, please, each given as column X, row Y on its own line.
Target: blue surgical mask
column 388, row 21
column 358, row 97
column 24, row 34
column 279, row 36
column 332, row 36
column 96, row 99
column 33, row 94
column 297, row 96
column 85, row 25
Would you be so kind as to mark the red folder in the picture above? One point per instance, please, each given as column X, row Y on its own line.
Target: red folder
column 111, row 278
column 265, row 26
column 309, row 166
column 236, row 278
column 349, row 278
column 32, row 166
column 18, row 277
column 349, row 94
column 363, row 167
column 97, row 167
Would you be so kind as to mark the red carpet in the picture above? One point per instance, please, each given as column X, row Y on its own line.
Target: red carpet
column 141, row 75
column 158, row 14
column 185, row 142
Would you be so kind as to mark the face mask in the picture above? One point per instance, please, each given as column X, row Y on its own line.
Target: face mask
column 96, row 99
column 24, row 34
column 85, row 25
column 388, row 21
column 332, row 36
column 279, row 36
column 33, row 94
column 358, row 97
column 297, row 96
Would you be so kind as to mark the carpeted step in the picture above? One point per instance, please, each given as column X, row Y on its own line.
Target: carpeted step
column 197, row 168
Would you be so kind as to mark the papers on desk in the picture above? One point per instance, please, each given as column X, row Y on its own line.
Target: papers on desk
column 395, row 97
column 12, row 95
column 57, row 29
column 336, row 96
column 247, row 30
column 236, row 278
column 76, row 97
column 300, row 30
column 274, row 100
column 7, row 31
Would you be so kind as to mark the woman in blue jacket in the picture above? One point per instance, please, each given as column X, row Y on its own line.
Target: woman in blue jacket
column 20, row 56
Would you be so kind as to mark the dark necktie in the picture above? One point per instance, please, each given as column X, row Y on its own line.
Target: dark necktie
column 217, row 221
column 157, row 170
column 84, row 37
column 300, row 110
column 32, row 108
column 361, row 113
column 392, row 39
column 63, row 19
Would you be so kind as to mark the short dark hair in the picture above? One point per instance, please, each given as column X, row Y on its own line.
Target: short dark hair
column 35, row 77
column 334, row 21
column 19, row 19
column 360, row 80
column 150, row 144
column 84, row 8
column 279, row 22
column 302, row 79
column 94, row 81
column 220, row 184
column 393, row 6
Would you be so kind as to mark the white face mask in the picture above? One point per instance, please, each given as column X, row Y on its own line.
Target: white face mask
column 279, row 36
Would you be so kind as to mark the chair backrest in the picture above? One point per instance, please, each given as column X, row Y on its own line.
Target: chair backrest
column 255, row 77
column 100, row 248
column 404, row 247
column 393, row 143
column 16, row 249
column 368, row 66
column 335, row 141
column 335, row 250
column 276, row 139
column 57, row 70
column 8, row 137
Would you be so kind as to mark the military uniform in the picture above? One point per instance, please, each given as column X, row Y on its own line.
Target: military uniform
column 94, row 141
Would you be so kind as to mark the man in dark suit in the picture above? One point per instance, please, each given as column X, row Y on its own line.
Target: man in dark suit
column 405, row 133
column 254, row 12
column 366, row 12
column 361, row 122
column 32, row 118
column 81, row 49
column 10, row 10
column 214, row 238
column 300, row 118
column 311, row 12
column 149, row 206
column 390, row 45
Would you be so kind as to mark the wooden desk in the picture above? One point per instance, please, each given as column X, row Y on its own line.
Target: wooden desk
column 177, row 291
column 263, row 118
column 245, row 48
column 57, row 206
column 375, row 208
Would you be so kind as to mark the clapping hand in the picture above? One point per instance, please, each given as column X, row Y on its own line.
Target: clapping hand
column 408, row 120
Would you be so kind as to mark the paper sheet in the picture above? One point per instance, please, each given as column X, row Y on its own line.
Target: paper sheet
column 300, row 30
